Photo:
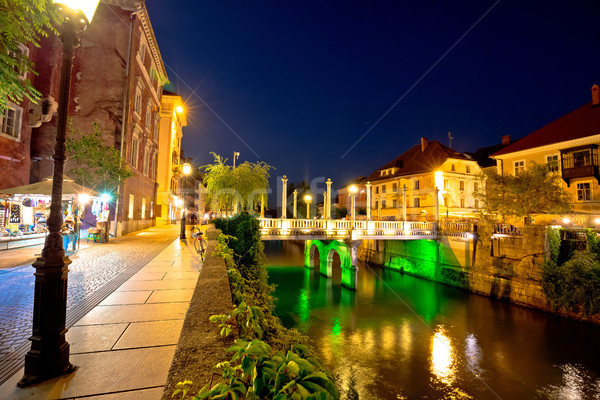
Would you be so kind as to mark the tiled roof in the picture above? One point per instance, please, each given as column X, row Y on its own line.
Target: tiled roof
column 415, row 161
column 582, row 122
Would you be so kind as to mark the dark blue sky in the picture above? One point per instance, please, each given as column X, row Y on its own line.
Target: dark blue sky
column 301, row 82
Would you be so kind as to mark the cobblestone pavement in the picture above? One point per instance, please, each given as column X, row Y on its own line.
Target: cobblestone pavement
column 95, row 272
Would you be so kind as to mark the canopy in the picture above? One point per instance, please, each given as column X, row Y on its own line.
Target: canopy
column 44, row 188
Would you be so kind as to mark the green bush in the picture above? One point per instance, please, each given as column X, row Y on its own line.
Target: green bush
column 575, row 285
column 554, row 243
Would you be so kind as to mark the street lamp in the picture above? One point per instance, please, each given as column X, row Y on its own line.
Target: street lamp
column 236, row 155
column 307, row 200
column 186, row 169
column 49, row 353
column 353, row 190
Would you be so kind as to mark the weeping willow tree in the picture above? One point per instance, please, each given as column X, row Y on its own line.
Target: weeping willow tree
column 245, row 185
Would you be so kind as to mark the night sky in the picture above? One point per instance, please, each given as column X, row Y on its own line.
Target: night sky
column 297, row 84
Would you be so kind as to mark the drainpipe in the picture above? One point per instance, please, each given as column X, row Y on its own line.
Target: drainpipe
column 124, row 113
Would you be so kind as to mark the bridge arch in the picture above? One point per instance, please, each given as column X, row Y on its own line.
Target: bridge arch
column 327, row 249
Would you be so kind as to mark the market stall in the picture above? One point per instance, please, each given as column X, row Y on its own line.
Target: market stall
column 25, row 209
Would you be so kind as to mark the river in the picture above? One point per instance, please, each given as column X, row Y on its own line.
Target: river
column 401, row 337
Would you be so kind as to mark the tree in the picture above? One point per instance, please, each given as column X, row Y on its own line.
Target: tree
column 536, row 190
column 22, row 22
column 95, row 165
column 245, row 184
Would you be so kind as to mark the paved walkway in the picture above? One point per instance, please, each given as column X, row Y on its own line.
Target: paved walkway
column 94, row 274
column 124, row 346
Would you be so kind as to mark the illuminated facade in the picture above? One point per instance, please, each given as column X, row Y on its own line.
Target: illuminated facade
column 409, row 183
column 569, row 147
column 172, row 121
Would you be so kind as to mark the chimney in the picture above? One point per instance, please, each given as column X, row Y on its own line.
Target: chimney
column 424, row 143
column 505, row 140
column 595, row 96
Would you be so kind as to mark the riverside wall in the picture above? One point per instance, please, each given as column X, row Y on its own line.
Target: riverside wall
column 507, row 268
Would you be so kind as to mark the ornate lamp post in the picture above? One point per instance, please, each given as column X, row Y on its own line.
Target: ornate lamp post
column 186, row 169
column 49, row 353
column 307, row 200
column 295, row 202
column 284, row 197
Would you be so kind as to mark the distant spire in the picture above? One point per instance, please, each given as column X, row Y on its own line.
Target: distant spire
column 450, row 137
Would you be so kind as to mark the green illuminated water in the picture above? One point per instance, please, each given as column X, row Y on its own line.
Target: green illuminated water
column 405, row 337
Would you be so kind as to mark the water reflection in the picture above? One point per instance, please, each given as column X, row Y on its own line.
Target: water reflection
column 442, row 357
column 408, row 338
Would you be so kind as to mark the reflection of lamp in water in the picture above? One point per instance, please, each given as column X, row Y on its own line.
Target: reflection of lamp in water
column 442, row 358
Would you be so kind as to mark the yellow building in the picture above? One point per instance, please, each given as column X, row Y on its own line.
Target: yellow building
column 408, row 184
column 172, row 121
column 569, row 146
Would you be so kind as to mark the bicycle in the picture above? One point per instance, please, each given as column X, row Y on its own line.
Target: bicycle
column 199, row 242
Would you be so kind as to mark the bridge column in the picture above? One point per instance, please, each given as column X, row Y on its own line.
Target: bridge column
column 307, row 256
column 327, row 211
column 350, row 268
column 295, row 202
column 284, row 197
column 368, row 186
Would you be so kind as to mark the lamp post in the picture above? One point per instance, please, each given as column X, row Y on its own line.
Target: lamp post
column 307, row 200
column 352, row 189
column 284, row 197
column 295, row 202
column 327, row 211
column 186, row 169
column 49, row 353
column 368, row 186
column 236, row 154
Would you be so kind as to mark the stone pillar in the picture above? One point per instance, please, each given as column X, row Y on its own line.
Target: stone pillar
column 368, row 186
column 284, row 197
column 295, row 202
column 262, row 205
column 328, row 200
column 404, row 189
column 324, row 204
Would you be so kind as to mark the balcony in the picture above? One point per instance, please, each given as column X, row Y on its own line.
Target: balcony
column 579, row 162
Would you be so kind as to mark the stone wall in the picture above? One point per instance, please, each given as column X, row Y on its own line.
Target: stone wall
column 507, row 268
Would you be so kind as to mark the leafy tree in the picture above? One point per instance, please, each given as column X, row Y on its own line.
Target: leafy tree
column 22, row 22
column 339, row 212
column 245, row 184
column 536, row 190
column 95, row 165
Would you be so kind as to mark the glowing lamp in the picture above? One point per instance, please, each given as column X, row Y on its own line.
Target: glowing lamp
column 353, row 189
column 87, row 7
column 566, row 220
column 178, row 202
column 187, row 168
column 105, row 197
column 83, row 198
column 597, row 221
column 179, row 109
column 307, row 198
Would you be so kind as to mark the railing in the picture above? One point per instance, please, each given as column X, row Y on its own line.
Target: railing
column 507, row 229
column 365, row 229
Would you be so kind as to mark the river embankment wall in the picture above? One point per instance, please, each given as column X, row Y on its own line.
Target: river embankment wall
column 507, row 268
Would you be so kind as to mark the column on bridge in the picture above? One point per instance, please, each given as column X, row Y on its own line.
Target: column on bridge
column 368, row 186
column 284, row 197
column 295, row 203
column 328, row 200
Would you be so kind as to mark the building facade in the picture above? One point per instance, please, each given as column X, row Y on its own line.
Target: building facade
column 408, row 185
column 117, row 82
column 569, row 147
column 172, row 121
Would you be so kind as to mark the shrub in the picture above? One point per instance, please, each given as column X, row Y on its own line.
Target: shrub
column 575, row 285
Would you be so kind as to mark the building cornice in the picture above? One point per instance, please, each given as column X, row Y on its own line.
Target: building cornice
column 554, row 147
column 140, row 5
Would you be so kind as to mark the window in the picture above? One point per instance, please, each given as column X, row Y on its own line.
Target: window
column 417, row 184
column 383, row 204
column 146, row 161
column 462, row 202
column 156, row 124
column 582, row 158
column 144, row 208
column 461, row 185
column 446, row 184
column 153, row 170
column 417, row 202
column 394, row 187
column 584, row 191
column 134, row 152
column 453, row 168
column 137, row 102
column 149, row 114
column 376, row 204
column 10, row 121
column 519, row 167
column 130, row 215
column 151, row 209
column 376, row 189
column 382, row 188
column 142, row 52
column 468, row 169
column 395, row 204
column 552, row 163
column 21, row 70
column 475, row 186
